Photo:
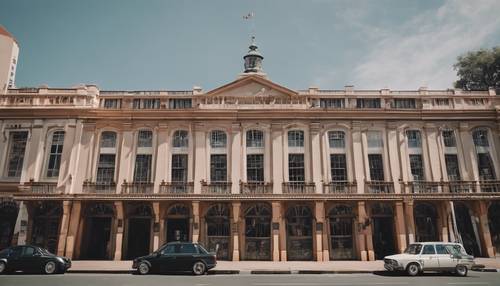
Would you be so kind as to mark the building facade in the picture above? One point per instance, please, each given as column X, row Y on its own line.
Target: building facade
column 9, row 52
column 252, row 170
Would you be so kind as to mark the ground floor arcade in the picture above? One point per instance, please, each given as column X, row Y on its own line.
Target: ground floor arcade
column 319, row 230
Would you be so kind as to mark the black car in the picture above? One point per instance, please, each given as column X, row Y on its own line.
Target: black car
column 32, row 259
column 176, row 257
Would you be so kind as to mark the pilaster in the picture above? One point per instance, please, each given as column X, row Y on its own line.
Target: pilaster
column 236, row 160
column 277, row 162
column 362, row 231
column 400, row 227
column 126, row 168
column 393, row 150
column 63, row 230
column 316, row 162
column 484, row 229
column 162, row 157
column 358, row 158
column 200, row 170
column 74, row 224
column 156, row 225
column 234, row 230
column 320, row 223
column 119, row 231
column 196, row 221
column 410, row 220
column 276, row 219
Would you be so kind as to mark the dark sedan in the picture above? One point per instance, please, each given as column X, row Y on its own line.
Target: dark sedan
column 176, row 257
column 32, row 259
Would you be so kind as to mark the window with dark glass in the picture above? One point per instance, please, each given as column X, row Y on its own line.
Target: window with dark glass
column 296, row 138
column 368, row 103
column 449, row 138
column 417, row 170
column 55, row 154
column 255, row 138
column 414, row 138
column 145, row 138
column 442, row 102
column 112, row 103
column 218, row 139
column 106, row 168
column 108, row 139
column 179, row 167
column 218, row 168
column 151, row 103
column 17, row 146
column 179, row 103
column 255, row 168
column 336, row 139
column 485, row 165
column 331, row 102
column 137, row 103
column 374, row 139
column 480, row 137
column 296, row 172
column 338, row 167
column 404, row 103
column 142, row 171
column 376, row 167
column 452, row 168
column 181, row 139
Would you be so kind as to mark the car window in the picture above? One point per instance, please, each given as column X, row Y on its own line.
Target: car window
column 16, row 251
column 5, row 252
column 413, row 249
column 456, row 249
column 428, row 249
column 187, row 249
column 201, row 249
column 28, row 251
column 169, row 249
column 441, row 249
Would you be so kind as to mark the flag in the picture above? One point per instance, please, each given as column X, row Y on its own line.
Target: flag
column 248, row 16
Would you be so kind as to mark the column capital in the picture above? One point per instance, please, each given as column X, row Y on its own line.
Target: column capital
column 127, row 126
column 236, row 127
column 315, row 127
column 356, row 125
column 198, row 126
column 276, row 126
column 463, row 126
column 162, row 126
column 392, row 125
column 430, row 126
column 89, row 126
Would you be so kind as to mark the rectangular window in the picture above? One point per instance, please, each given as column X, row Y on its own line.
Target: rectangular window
column 142, row 171
column 451, row 161
column 442, row 102
column 414, row 139
column 55, row 154
column 449, row 138
column 376, row 167
column 218, row 168
column 404, row 103
column 368, row 103
column 255, row 138
column 331, row 103
column 338, row 167
column 374, row 139
column 112, row 103
column 151, row 103
column 106, row 168
column 179, row 167
column 336, row 139
column 137, row 103
column 179, row 103
column 485, row 165
column 416, row 167
column 255, row 168
column 296, row 138
column 145, row 138
column 17, row 146
column 296, row 172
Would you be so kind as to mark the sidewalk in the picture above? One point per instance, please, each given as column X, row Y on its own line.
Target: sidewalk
column 264, row 267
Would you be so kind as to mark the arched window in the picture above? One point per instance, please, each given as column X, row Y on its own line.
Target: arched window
column 425, row 222
column 341, row 220
column 382, row 220
column 8, row 215
column 414, row 138
column 449, row 138
column 218, row 230
column 295, row 138
column 108, row 139
column 480, row 137
column 299, row 223
column 181, row 139
column 55, row 153
column 145, row 138
column 218, row 139
column 258, row 232
column 336, row 139
column 46, row 222
column 255, row 138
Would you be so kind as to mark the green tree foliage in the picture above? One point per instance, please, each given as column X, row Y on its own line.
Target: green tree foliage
column 479, row 70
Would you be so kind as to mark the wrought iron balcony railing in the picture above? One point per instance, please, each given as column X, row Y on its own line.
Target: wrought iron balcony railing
column 379, row 187
column 489, row 186
column 340, row 187
column 176, row 187
column 298, row 188
column 421, row 187
column 99, row 187
column 459, row 187
column 216, row 187
column 40, row 187
column 256, row 188
column 137, row 188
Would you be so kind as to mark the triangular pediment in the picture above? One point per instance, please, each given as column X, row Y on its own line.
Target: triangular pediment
column 252, row 86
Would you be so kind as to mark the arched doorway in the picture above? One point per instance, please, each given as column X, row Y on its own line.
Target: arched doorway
column 177, row 223
column 383, row 230
column 258, row 232
column 494, row 221
column 46, row 223
column 466, row 228
column 341, row 220
column 139, row 230
column 218, row 230
column 299, row 242
column 96, row 242
column 425, row 215
column 8, row 216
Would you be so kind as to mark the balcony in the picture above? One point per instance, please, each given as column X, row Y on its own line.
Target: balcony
column 489, row 186
column 379, row 187
column 176, row 187
column 256, row 188
column 137, row 188
column 40, row 188
column 340, row 187
column 299, row 188
column 421, row 187
column 99, row 187
column 215, row 187
column 459, row 187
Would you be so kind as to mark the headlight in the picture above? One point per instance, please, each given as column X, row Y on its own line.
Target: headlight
column 60, row 259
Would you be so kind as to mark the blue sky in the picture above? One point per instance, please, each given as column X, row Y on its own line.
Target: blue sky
column 160, row 44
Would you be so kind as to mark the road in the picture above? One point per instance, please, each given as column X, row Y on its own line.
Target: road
column 474, row 279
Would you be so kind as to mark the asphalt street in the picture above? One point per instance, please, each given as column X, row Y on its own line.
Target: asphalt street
column 474, row 278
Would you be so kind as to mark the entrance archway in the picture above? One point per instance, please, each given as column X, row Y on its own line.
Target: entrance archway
column 466, row 228
column 258, row 232
column 341, row 220
column 218, row 230
column 425, row 215
column 8, row 216
column 46, row 223
column 494, row 221
column 177, row 223
column 383, row 230
column 96, row 242
column 139, row 230
column 299, row 243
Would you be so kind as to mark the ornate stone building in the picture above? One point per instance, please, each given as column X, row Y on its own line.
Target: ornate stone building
column 252, row 170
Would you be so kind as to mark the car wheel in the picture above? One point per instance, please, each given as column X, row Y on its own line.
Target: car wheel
column 198, row 268
column 143, row 268
column 412, row 269
column 3, row 267
column 50, row 267
column 461, row 270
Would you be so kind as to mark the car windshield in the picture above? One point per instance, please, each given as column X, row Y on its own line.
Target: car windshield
column 202, row 249
column 413, row 249
column 456, row 249
column 45, row 251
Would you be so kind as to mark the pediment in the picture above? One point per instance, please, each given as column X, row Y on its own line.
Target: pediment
column 252, row 86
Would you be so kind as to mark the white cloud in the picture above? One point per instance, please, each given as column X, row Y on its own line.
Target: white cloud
column 421, row 52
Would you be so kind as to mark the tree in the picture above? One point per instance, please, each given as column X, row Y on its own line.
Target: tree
column 479, row 70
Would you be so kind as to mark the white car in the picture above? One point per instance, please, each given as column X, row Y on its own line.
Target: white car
column 431, row 256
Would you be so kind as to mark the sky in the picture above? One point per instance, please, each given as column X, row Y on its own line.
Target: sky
column 175, row 45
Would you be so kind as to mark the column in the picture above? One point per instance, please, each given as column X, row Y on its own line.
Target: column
column 125, row 169
column 196, row 221
column 200, row 168
column 320, row 223
column 403, row 154
column 119, row 230
column 282, row 234
column 21, row 228
column 393, row 150
column 162, row 157
column 400, row 227
column 316, row 156
column 276, row 219
column 443, row 219
column 432, row 154
column 470, row 171
column 66, row 157
column 484, row 229
column 361, row 232
column 236, row 160
column 33, row 153
column 63, row 231
column 277, row 162
column 358, row 158
column 74, row 224
column 410, row 220
column 234, row 230
column 83, row 155
column 156, row 225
